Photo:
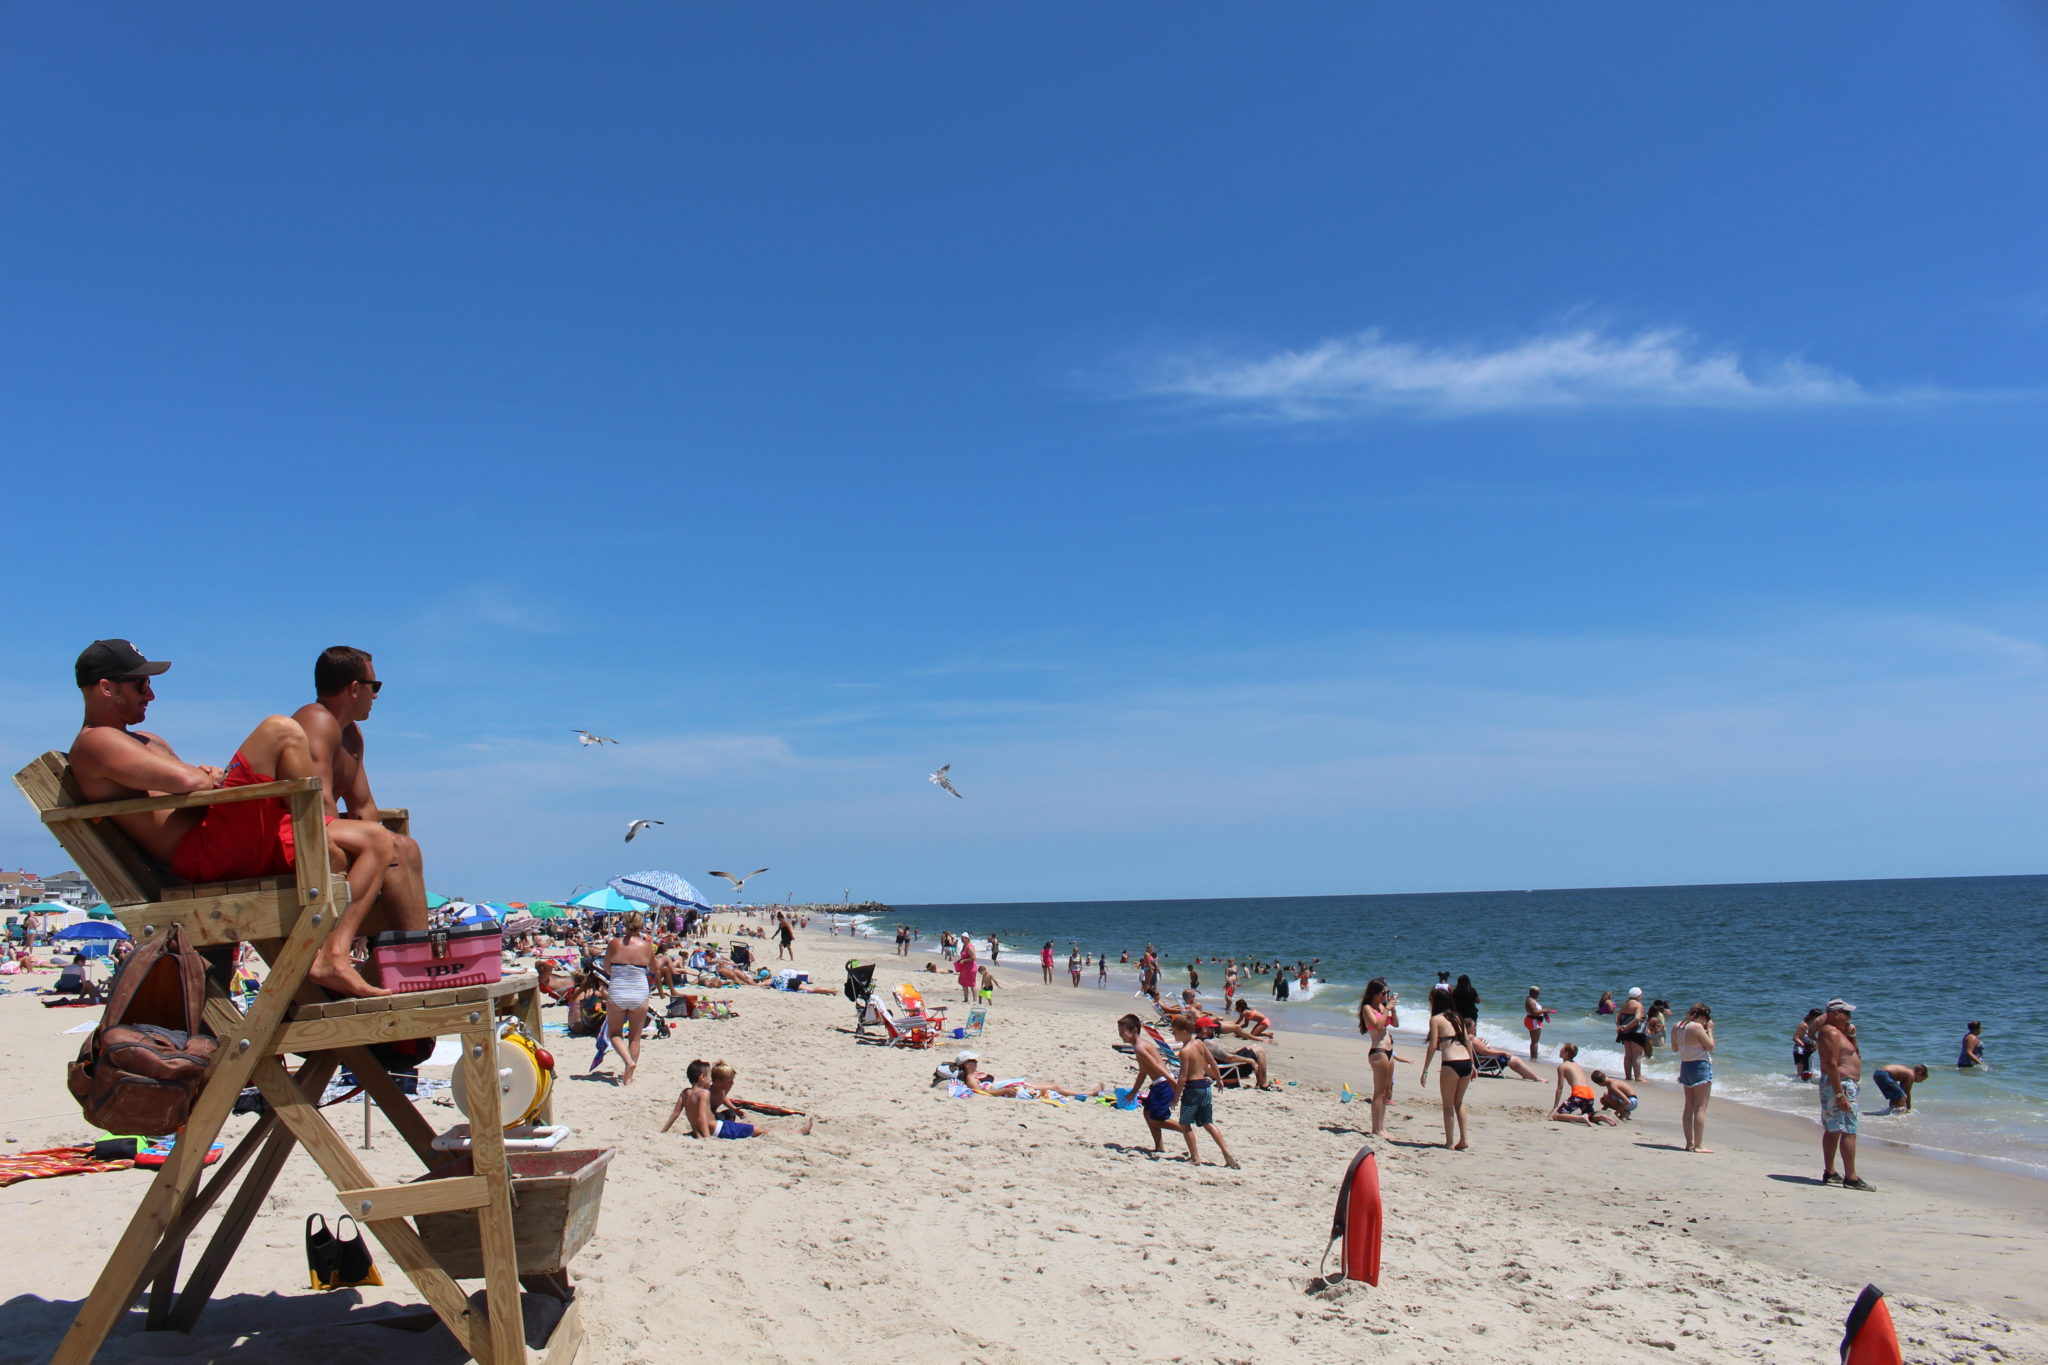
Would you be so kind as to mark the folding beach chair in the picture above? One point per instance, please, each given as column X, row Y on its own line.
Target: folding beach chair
column 912, row 1001
column 904, row 1033
column 1495, row 1066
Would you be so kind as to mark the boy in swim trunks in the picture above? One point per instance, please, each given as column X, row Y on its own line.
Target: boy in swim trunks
column 1198, row 1077
column 1896, row 1083
column 224, row 842
column 705, row 1120
column 1618, row 1096
column 1158, row 1097
column 1578, row 1106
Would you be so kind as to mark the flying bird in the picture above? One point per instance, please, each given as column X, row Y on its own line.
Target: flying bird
column 590, row 739
column 940, row 779
column 638, row 825
column 738, row 882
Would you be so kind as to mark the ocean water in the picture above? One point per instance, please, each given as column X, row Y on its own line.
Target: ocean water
column 1919, row 959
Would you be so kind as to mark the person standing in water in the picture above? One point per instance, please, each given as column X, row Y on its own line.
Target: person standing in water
column 1972, row 1054
column 1378, row 1016
column 1534, row 1017
column 1805, row 1038
column 1628, row 1031
column 1693, row 1038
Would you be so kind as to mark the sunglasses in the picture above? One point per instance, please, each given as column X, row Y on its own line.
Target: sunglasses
column 375, row 687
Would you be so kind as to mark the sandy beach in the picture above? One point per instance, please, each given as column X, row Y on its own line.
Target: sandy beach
column 915, row 1227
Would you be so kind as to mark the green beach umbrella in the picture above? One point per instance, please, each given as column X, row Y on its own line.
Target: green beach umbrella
column 101, row 911
column 546, row 910
column 435, row 902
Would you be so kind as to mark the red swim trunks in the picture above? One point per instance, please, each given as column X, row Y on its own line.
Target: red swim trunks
column 238, row 839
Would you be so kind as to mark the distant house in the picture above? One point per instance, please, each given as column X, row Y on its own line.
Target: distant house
column 18, row 889
column 72, row 887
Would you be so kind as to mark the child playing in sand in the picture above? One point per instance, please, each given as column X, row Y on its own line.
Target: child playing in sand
column 1197, row 1080
column 988, row 984
column 1617, row 1097
column 1578, row 1106
column 696, row 1100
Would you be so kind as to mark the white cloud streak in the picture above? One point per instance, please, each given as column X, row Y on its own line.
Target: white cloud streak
column 1369, row 374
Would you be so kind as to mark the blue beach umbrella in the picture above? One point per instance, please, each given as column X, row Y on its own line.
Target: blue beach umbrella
column 470, row 915
column 91, row 929
column 661, row 888
column 607, row 900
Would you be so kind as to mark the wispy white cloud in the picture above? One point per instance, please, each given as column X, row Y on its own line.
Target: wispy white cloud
column 1369, row 373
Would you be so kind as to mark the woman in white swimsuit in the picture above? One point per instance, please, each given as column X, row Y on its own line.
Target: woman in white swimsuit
column 1378, row 1013
column 626, row 960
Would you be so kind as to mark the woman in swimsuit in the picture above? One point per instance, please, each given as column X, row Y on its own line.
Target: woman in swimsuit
column 1693, row 1036
column 1447, row 1032
column 1972, row 1053
column 1628, row 1031
column 1378, row 1014
column 1606, row 1005
column 626, row 960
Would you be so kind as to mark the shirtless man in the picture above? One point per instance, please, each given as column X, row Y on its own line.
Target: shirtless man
column 1197, row 1080
column 224, row 842
column 1157, row 1100
column 345, row 686
column 1578, row 1106
column 1896, row 1082
column 1841, row 1068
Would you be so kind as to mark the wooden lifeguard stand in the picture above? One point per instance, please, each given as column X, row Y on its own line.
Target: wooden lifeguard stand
column 285, row 919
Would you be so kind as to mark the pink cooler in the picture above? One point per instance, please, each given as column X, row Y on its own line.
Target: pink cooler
column 432, row 959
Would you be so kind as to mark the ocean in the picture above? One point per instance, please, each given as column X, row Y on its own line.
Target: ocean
column 1918, row 958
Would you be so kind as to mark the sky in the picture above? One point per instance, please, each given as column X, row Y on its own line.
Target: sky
column 1308, row 450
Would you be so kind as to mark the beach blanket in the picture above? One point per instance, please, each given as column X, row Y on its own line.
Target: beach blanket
column 40, row 1165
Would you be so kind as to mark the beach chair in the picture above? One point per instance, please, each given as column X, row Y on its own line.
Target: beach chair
column 912, row 1001
column 286, row 919
column 907, row 1032
column 1495, row 1066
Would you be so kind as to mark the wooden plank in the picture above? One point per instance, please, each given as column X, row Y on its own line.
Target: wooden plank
column 426, row 1196
column 500, row 1243
column 242, row 1048
column 344, row 1171
column 242, row 1209
column 252, row 916
column 213, row 796
column 389, row 1026
column 567, row 1336
column 527, row 1005
column 405, row 1000
column 106, row 855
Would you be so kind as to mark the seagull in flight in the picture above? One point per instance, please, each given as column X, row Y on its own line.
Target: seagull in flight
column 589, row 739
column 638, row 825
column 738, row 882
column 939, row 778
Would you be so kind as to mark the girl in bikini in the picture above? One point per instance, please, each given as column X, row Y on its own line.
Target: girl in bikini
column 1447, row 1033
column 1378, row 1014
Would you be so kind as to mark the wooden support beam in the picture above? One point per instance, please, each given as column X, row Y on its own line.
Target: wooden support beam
column 389, row 1026
column 277, row 1144
column 409, row 1201
column 345, row 1172
column 396, row 1104
column 479, row 1069
column 568, row 1335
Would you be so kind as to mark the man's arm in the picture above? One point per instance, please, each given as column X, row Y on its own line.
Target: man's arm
column 149, row 767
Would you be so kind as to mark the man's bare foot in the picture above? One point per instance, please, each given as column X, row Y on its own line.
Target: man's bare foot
column 340, row 977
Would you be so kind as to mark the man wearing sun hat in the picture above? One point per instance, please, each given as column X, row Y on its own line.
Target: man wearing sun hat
column 1841, row 1069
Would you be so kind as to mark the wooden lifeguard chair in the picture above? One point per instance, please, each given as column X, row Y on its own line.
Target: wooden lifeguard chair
column 285, row 919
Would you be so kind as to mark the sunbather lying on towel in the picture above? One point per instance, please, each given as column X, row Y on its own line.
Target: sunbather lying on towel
column 112, row 762
column 704, row 1120
column 1018, row 1088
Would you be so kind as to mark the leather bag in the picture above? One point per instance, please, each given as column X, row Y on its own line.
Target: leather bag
column 141, row 1070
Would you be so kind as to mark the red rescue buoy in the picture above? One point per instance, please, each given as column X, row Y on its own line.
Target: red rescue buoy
column 1358, row 1218
column 1870, row 1338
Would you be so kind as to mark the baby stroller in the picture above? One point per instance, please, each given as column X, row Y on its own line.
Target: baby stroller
column 860, row 989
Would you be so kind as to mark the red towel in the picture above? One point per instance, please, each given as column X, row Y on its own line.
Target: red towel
column 53, row 1161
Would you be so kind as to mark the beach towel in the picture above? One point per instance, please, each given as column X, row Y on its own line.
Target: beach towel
column 50, row 1161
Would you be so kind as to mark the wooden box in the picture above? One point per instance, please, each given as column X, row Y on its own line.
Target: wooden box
column 555, row 1197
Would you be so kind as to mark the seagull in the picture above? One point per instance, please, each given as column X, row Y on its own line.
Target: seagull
column 940, row 779
column 638, row 825
column 590, row 739
column 738, row 882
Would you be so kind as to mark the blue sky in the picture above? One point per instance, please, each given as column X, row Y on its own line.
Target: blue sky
column 1329, row 449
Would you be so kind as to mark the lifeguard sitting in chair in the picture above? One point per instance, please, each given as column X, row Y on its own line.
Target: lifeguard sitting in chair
column 244, row 839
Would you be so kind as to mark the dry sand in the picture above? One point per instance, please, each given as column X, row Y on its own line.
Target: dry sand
column 912, row 1227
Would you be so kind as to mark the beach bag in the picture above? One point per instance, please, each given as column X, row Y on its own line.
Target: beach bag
column 142, row 1068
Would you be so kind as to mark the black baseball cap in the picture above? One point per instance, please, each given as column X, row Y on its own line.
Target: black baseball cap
column 116, row 659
